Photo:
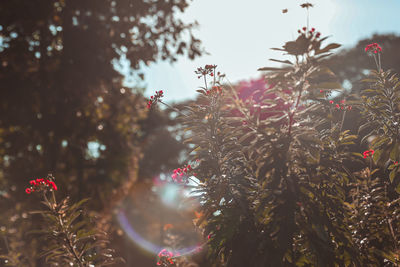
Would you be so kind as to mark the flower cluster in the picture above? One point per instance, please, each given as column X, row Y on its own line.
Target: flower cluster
column 214, row 90
column 41, row 185
column 373, row 48
column 341, row 105
column 368, row 153
column 311, row 33
column 178, row 174
column 165, row 257
column 155, row 98
column 208, row 69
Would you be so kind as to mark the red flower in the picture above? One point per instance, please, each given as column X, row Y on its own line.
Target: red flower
column 41, row 184
column 156, row 98
column 373, row 48
column 318, row 34
column 178, row 173
column 368, row 153
column 330, row 101
column 52, row 184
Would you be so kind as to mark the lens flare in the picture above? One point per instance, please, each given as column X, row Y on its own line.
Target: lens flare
column 147, row 245
column 158, row 212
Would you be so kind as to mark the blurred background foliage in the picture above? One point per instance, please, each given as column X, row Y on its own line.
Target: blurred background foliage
column 64, row 110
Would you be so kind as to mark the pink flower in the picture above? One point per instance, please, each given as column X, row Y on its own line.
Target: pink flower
column 373, row 48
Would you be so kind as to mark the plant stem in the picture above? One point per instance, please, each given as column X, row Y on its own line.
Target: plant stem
column 65, row 231
column 175, row 109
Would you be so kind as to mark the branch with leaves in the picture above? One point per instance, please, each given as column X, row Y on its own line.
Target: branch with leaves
column 72, row 240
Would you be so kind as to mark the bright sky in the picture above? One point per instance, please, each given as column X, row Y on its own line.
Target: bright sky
column 238, row 35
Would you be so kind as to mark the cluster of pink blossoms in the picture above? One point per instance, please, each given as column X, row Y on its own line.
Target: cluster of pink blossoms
column 373, row 48
column 165, row 257
column 179, row 173
column 40, row 184
column 155, row 98
column 311, row 33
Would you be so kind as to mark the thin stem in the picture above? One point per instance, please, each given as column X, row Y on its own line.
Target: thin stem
column 214, row 77
column 376, row 63
column 6, row 242
column 175, row 109
column 205, row 81
column 293, row 112
column 341, row 124
column 380, row 66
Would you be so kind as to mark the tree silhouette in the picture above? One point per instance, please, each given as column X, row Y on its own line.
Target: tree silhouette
column 63, row 106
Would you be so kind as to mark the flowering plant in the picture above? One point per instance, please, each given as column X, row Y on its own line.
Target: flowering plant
column 71, row 239
column 276, row 176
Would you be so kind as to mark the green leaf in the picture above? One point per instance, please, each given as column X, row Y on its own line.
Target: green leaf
column 282, row 61
column 78, row 204
column 278, row 49
column 377, row 155
column 327, row 48
column 394, row 153
column 392, row 175
column 270, row 69
column 327, row 85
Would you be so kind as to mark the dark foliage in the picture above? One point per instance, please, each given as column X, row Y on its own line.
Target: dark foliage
column 63, row 106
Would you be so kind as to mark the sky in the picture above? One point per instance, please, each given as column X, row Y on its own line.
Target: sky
column 238, row 36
